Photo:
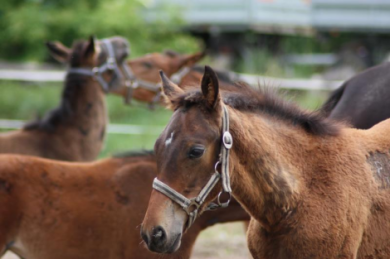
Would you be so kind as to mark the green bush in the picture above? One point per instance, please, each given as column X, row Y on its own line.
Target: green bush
column 27, row 24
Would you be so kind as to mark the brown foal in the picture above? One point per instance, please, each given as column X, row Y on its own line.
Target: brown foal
column 314, row 189
column 51, row 209
column 75, row 130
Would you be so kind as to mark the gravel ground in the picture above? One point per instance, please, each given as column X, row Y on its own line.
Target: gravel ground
column 225, row 241
column 9, row 255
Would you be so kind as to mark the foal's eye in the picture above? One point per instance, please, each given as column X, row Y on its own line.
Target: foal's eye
column 196, row 152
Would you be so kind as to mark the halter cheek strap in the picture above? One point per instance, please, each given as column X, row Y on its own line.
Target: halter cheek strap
column 191, row 206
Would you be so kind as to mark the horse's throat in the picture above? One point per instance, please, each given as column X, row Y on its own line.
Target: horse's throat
column 268, row 190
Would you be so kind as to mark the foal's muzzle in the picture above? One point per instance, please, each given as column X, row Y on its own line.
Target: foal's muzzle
column 158, row 242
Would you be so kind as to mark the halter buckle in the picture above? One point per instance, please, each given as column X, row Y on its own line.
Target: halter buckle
column 227, row 140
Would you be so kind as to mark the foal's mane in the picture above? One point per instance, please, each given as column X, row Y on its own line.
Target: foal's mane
column 73, row 84
column 265, row 100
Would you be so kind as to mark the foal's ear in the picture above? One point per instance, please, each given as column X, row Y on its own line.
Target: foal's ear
column 58, row 51
column 170, row 89
column 210, row 87
column 91, row 47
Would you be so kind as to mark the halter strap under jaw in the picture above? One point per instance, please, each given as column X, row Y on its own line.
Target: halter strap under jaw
column 191, row 206
column 97, row 72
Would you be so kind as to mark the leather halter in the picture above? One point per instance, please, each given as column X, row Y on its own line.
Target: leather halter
column 109, row 65
column 134, row 83
column 191, row 206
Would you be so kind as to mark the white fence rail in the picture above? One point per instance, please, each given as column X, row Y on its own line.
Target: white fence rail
column 58, row 76
column 32, row 76
column 300, row 84
column 112, row 128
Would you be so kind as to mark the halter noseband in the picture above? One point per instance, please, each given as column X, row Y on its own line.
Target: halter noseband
column 109, row 65
column 191, row 206
column 134, row 83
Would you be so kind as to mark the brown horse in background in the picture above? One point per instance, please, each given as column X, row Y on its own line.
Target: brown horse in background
column 51, row 209
column 75, row 130
column 314, row 189
column 181, row 68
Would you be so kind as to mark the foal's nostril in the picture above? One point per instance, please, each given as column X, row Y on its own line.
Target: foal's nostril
column 158, row 236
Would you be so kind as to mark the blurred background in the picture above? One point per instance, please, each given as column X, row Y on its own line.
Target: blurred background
column 304, row 47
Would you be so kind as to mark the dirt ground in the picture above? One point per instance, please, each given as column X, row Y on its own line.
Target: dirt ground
column 225, row 241
column 9, row 255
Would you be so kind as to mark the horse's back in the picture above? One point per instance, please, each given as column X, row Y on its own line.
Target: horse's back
column 365, row 99
column 19, row 142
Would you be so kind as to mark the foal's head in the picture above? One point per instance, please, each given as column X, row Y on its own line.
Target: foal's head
column 93, row 54
column 147, row 67
column 186, row 151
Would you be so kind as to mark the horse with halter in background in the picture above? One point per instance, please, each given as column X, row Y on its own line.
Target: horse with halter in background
column 51, row 209
column 79, row 122
column 75, row 130
column 145, row 85
column 313, row 188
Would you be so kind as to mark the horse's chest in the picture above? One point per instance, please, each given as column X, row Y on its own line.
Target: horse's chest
column 380, row 167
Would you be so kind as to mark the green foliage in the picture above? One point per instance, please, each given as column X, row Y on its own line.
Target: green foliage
column 27, row 24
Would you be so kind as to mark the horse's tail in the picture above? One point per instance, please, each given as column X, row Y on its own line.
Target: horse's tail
column 332, row 101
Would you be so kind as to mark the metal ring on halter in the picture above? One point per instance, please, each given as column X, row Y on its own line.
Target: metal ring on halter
column 95, row 70
column 226, row 203
column 193, row 204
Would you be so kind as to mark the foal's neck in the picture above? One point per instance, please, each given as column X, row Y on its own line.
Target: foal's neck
column 267, row 161
column 87, row 118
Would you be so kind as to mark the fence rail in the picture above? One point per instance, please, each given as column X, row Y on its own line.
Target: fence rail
column 112, row 128
column 300, row 84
